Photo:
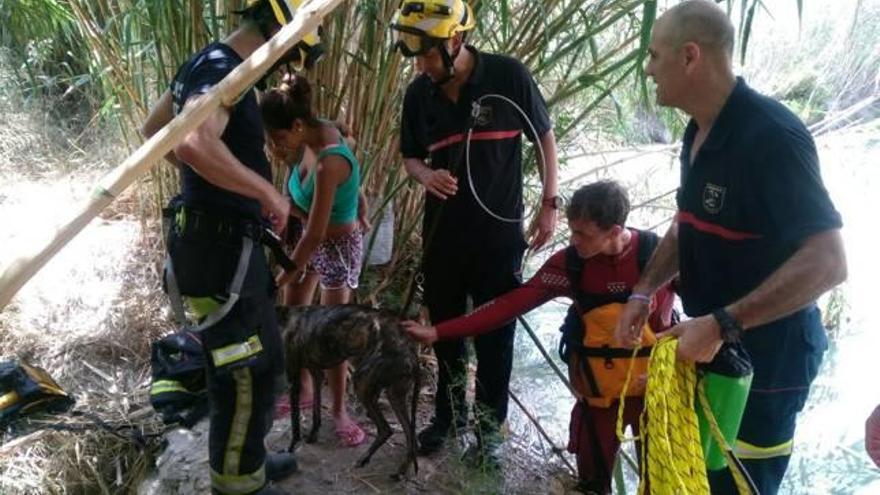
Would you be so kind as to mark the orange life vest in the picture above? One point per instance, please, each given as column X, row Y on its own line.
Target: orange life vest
column 597, row 367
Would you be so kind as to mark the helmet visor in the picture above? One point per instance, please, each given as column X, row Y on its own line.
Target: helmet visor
column 413, row 42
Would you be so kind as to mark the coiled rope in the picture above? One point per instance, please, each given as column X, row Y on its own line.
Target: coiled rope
column 674, row 461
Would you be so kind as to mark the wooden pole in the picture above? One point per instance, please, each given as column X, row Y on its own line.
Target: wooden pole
column 16, row 273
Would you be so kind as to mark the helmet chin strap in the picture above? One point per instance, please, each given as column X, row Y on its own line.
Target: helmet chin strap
column 448, row 63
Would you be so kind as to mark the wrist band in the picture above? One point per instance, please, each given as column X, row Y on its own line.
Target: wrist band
column 639, row 297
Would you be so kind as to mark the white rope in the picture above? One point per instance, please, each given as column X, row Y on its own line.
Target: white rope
column 467, row 155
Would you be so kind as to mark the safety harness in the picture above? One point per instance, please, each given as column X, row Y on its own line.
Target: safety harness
column 598, row 371
column 199, row 223
column 178, row 364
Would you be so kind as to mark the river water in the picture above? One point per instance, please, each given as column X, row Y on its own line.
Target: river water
column 829, row 443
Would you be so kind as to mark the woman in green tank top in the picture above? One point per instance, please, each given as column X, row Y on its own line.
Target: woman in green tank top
column 325, row 190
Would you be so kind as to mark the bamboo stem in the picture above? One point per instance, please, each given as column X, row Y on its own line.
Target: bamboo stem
column 553, row 447
column 546, row 355
column 16, row 273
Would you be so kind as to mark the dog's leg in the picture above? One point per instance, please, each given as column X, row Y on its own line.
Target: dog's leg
column 317, row 382
column 293, row 376
column 397, row 395
column 369, row 397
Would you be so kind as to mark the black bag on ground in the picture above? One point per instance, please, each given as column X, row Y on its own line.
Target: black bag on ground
column 25, row 389
column 178, row 392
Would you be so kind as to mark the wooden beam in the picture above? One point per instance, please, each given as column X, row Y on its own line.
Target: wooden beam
column 17, row 272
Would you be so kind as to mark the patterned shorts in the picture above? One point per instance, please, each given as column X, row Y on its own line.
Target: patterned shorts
column 337, row 261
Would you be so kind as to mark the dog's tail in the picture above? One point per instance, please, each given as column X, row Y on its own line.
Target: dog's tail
column 417, row 387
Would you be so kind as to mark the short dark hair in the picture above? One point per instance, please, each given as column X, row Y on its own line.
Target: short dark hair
column 604, row 202
column 260, row 13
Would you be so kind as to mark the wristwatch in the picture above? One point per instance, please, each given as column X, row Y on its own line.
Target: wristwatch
column 731, row 330
column 554, row 202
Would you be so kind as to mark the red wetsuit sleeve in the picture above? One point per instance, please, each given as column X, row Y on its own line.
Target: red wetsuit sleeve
column 550, row 281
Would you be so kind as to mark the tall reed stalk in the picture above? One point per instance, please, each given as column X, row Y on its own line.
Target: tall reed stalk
column 126, row 51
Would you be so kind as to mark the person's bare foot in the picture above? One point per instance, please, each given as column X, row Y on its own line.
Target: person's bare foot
column 348, row 432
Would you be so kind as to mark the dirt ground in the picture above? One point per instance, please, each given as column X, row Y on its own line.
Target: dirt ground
column 116, row 293
column 325, row 467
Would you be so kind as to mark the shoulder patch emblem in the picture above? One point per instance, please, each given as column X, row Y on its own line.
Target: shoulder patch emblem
column 485, row 116
column 713, row 197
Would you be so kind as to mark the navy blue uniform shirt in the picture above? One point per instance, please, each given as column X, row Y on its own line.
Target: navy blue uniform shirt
column 243, row 134
column 751, row 196
column 435, row 127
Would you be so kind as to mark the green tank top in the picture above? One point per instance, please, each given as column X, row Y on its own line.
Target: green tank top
column 345, row 200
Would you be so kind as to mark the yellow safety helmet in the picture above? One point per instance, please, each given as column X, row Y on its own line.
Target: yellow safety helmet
column 424, row 24
column 307, row 52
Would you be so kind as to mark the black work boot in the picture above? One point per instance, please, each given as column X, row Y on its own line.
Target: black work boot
column 433, row 437
column 280, row 466
column 484, row 454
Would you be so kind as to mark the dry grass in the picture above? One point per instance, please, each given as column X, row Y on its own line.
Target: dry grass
column 88, row 318
column 106, row 369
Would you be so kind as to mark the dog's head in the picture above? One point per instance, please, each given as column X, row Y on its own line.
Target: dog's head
column 288, row 316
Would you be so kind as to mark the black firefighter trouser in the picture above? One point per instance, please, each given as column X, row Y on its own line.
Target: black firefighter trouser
column 240, row 393
column 241, row 402
column 765, row 440
column 449, row 279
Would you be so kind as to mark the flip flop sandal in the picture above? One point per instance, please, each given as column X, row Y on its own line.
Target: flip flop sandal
column 352, row 436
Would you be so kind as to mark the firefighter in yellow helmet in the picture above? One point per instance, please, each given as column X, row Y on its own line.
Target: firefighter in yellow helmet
column 425, row 24
column 468, row 250
column 269, row 15
column 219, row 268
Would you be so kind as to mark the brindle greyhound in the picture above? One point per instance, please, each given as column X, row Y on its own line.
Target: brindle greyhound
column 383, row 357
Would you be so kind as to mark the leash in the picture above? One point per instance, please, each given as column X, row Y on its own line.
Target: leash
column 418, row 276
column 127, row 432
column 464, row 153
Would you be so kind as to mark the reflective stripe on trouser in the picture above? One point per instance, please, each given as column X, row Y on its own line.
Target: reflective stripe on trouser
column 231, row 480
column 164, row 386
column 764, row 443
column 244, row 408
column 242, row 398
column 240, row 403
column 745, row 450
column 245, row 483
